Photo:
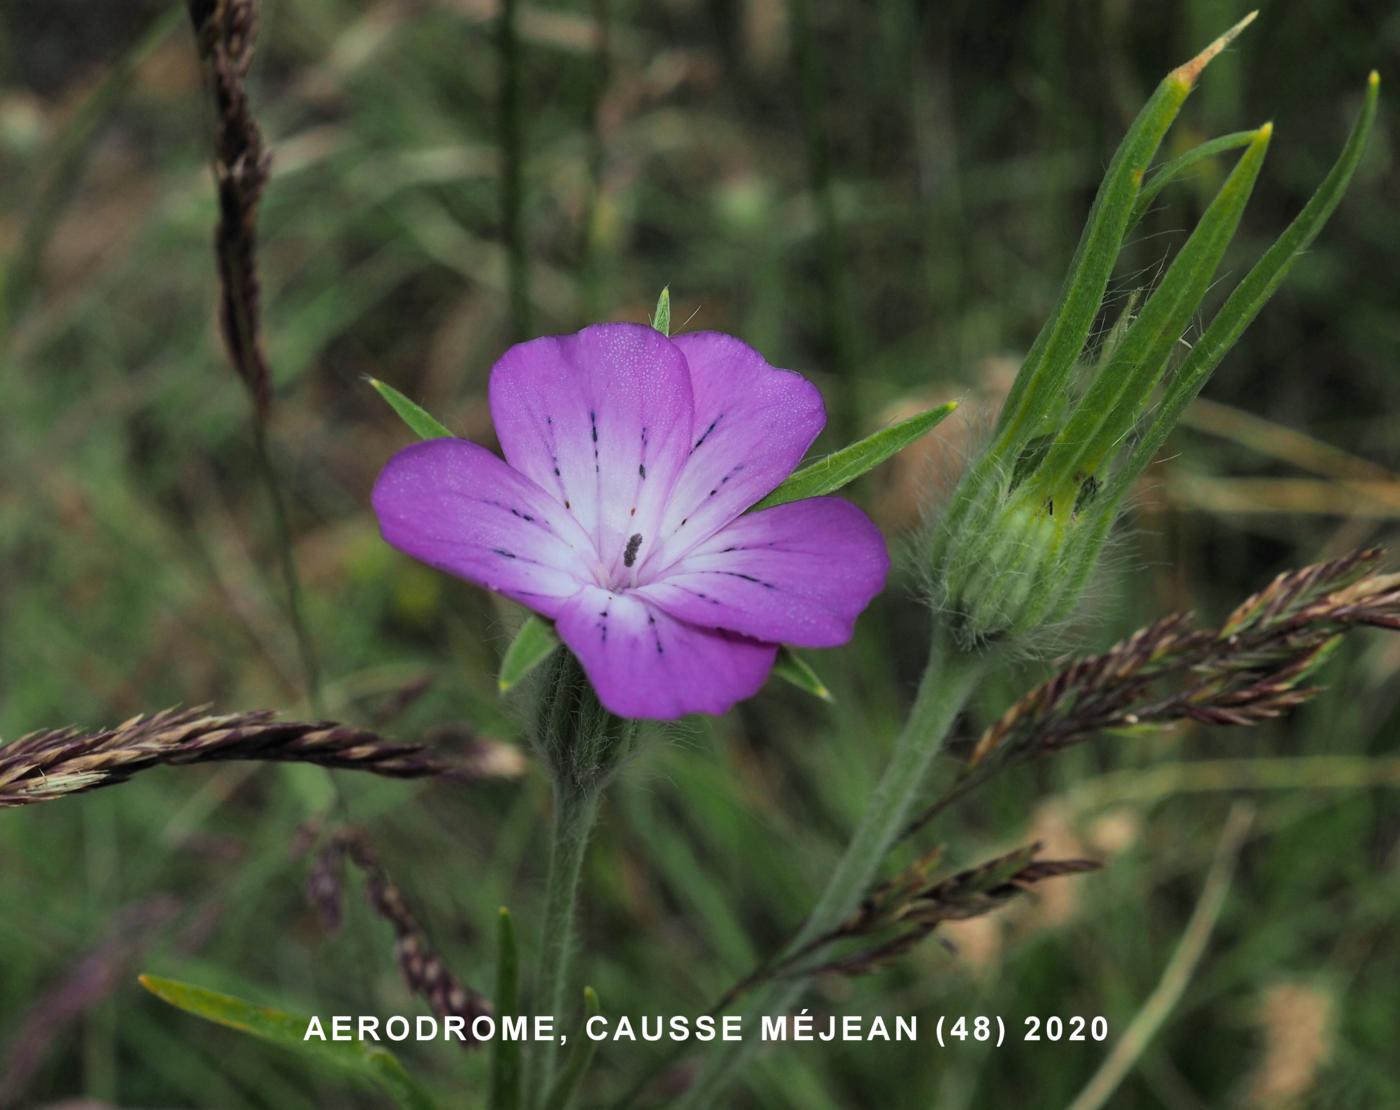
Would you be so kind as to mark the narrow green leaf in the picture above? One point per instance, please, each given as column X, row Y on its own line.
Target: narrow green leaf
column 1252, row 293
column 1178, row 166
column 846, row 465
column 1122, row 389
column 791, row 667
column 1056, row 349
column 661, row 318
column 424, row 426
column 289, row 1031
column 580, row 1056
column 505, row 1054
column 531, row 647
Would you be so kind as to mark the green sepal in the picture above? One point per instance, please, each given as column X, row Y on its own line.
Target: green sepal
column 1121, row 389
column 846, row 465
column 505, row 1053
column 419, row 420
column 791, row 667
column 531, row 647
column 1249, row 297
column 580, row 1056
column 661, row 318
column 289, row 1031
column 1056, row 349
column 1178, row 166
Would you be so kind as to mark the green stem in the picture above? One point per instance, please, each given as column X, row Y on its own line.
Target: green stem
column 512, row 138
column 291, row 580
column 575, row 811
column 948, row 680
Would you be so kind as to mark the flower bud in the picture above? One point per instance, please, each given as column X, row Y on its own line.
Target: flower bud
column 580, row 742
column 1023, row 532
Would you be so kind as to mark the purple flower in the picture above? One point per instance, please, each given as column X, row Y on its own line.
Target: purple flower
column 619, row 512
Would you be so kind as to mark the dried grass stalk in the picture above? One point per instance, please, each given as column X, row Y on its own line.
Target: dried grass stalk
column 225, row 31
column 1252, row 668
column 55, row 762
column 1248, row 670
column 915, row 908
column 907, row 909
column 423, row 969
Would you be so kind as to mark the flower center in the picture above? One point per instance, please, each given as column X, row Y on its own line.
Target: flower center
column 624, row 576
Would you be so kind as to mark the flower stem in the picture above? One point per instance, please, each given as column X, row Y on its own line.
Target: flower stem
column 948, row 680
column 575, row 811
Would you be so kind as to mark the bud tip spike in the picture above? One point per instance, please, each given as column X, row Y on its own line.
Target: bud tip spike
column 1187, row 73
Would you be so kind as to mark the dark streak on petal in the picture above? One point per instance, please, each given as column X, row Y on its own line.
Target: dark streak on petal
column 706, row 434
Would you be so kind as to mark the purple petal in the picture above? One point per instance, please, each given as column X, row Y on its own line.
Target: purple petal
column 645, row 663
column 753, row 423
column 456, row 506
column 602, row 421
column 798, row 573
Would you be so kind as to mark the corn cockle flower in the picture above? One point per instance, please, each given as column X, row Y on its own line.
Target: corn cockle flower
column 619, row 512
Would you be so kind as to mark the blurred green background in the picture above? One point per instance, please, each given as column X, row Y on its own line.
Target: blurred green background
column 883, row 195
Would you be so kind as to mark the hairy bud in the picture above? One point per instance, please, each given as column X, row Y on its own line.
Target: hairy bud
column 1026, row 525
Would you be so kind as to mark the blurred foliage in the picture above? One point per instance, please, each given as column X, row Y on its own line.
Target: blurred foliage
column 891, row 213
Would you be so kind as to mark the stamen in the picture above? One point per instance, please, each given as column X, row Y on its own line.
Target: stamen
column 630, row 555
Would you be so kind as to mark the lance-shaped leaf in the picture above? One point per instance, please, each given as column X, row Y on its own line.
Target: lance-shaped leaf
column 505, row 1056
column 661, row 318
column 289, row 1031
column 419, row 420
column 580, row 1056
column 531, row 647
column 1053, row 355
column 1121, row 390
column 1252, row 293
column 791, row 667
column 846, row 465
column 1178, row 166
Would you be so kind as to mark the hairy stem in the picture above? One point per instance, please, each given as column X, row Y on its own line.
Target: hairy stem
column 575, row 812
column 948, row 680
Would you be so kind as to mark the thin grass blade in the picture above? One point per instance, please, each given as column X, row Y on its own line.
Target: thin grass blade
column 580, row 1057
column 505, row 1055
column 289, row 1031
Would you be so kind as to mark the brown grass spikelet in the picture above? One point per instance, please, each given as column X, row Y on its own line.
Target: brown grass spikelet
column 906, row 909
column 53, row 763
column 1250, row 669
column 225, row 31
column 423, row 969
column 972, row 893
